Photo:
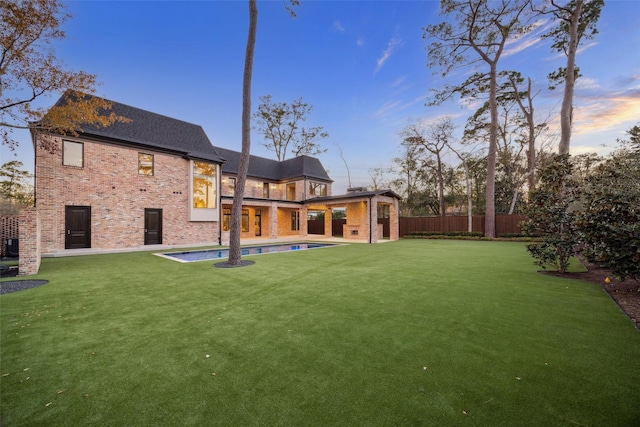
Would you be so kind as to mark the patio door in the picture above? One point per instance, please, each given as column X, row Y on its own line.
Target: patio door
column 77, row 221
column 258, row 222
column 153, row 226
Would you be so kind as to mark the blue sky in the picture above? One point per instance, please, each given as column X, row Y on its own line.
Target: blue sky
column 361, row 64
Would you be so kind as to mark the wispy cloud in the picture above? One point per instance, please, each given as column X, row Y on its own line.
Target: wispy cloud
column 584, row 83
column 521, row 45
column 586, row 46
column 391, row 46
column 397, row 82
column 361, row 41
column 387, row 108
column 337, row 26
column 528, row 40
column 391, row 107
column 607, row 112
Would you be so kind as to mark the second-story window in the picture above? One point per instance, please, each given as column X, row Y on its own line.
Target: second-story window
column 232, row 184
column 145, row 164
column 204, row 185
column 291, row 191
column 73, row 153
column 317, row 189
column 265, row 190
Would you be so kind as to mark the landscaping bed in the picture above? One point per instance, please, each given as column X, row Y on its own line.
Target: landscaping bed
column 626, row 294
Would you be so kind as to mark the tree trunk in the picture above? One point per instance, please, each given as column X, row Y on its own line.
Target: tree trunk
column 566, row 113
column 467, row 181
column 490, row 202
column 235, row 253
column 443, row 210
column 531, row 155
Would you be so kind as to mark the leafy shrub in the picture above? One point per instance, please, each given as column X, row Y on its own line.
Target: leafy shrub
column 609, row 221
column 550, row 214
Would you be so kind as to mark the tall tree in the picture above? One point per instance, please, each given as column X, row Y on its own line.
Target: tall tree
column 279, row 123
column 15, row 189
column 432, row 140
column 576, row 21
column 235, row 252
column 378, row 178
column 518, row 131
column 466, row 159
column 407, row 166
column 29, row 71
column 524, row 99
column 478, row 35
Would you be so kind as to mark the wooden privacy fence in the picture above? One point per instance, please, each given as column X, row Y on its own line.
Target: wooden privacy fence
column 505, row 224
column 316, row 226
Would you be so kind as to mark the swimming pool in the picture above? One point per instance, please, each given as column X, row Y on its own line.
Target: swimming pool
column 211, row 254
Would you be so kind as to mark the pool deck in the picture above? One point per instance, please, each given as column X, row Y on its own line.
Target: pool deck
column 157, row 248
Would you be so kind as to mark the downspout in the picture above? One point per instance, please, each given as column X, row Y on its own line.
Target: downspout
column 220, row 204
column 35, row 167
column 220, row 218
column 370, row 222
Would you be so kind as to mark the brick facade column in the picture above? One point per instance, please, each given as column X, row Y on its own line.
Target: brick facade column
column 29, row 241
column 328, row 222
column 304, row 225
column 372, row 206
column 273, row 221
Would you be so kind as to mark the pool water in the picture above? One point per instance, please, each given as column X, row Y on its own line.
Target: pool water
column 211, row 254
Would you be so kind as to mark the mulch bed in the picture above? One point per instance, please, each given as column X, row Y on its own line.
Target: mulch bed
column 20, row 285
column 626, row 294
column 226, row 264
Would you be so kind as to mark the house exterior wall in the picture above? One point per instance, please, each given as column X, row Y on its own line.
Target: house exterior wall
column 110, row 184
column 254, row 188
column 357, row 224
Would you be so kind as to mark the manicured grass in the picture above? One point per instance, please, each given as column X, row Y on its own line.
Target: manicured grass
column 415, row 332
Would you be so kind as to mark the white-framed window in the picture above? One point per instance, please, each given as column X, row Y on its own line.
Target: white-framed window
column 72, row 153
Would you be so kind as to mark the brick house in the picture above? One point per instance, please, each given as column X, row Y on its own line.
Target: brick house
column 159, row 181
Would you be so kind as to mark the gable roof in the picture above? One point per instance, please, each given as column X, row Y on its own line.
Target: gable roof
column 274, row 170
column 151, row 130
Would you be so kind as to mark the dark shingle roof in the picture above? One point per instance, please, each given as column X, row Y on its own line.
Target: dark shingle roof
column 147, row 129
column 260, row 167
column 357, row 194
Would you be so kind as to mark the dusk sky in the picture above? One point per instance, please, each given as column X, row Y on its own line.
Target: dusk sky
column 361, row 64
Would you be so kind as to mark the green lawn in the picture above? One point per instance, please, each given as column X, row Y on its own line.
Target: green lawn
column 415, row 332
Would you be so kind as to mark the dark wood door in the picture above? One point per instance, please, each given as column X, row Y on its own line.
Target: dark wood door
column 77, row 227
column 153, row 226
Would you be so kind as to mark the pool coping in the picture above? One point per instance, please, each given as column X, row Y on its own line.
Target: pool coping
column 167, row 255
